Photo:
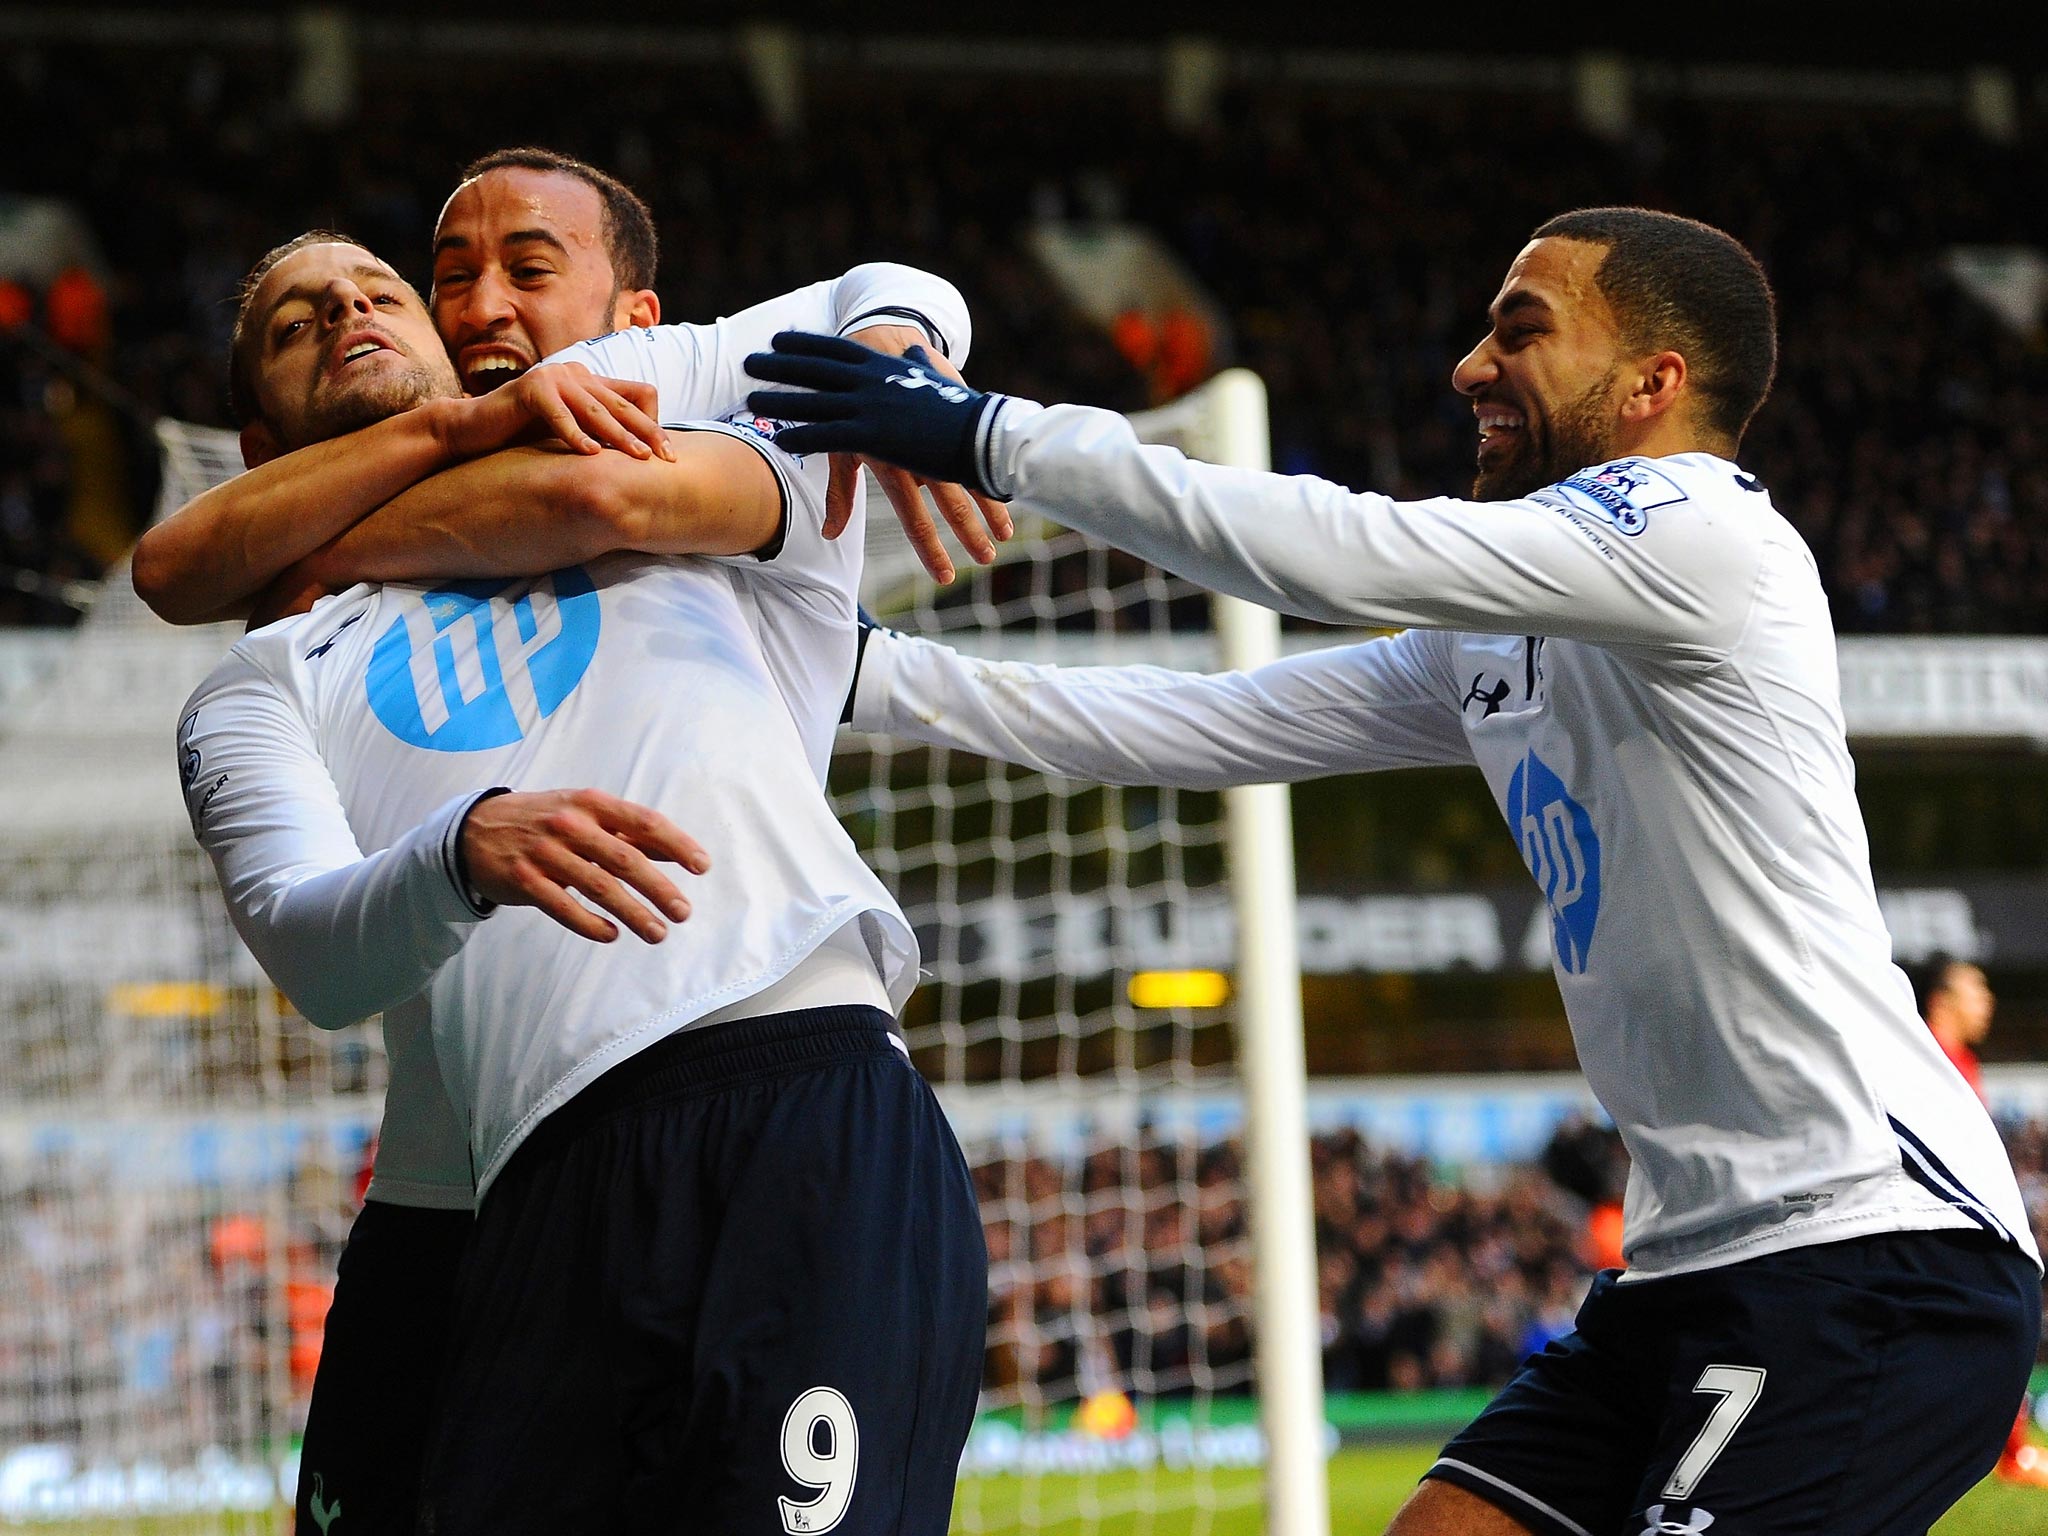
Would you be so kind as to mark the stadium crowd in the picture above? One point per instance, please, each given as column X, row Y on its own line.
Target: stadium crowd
column 193, row 1318
column 1130, row 1266
column 1351, row 235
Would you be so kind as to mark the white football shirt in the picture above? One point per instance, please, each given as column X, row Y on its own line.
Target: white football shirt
column 1640, row 661
column 367, row 726
column 801, row 616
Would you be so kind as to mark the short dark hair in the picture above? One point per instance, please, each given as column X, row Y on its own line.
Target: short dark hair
column 1675, row 282
column 241, row 343
column 1930, row 978
column 627, row 227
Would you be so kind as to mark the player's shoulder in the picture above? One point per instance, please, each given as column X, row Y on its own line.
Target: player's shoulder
column 755, row 428
column 1638, row 496
column 804, row 477
column 280, row 654
column 643, row 353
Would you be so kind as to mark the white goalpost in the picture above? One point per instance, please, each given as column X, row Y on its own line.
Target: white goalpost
column 1225, row 421
column 1058, row 920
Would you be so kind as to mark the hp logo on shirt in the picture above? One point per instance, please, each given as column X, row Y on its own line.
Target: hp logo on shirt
column 1562, row 852
column 478, row 664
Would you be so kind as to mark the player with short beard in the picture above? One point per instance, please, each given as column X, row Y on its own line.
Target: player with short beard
column 1833, row 1294
column 534, row 253
column 369, row 723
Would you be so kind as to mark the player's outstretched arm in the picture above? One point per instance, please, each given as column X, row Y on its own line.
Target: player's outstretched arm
column 1680, row 581
column 1382, row 704
column 211, row 558
column 346, row 935
column 525, row 510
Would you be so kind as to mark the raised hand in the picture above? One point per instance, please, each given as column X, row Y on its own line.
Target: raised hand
column 909, row 411
column 979, row 522
column 533, row 850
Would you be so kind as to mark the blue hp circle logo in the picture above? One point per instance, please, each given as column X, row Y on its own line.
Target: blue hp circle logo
column 1562, row 852
column 478, row 664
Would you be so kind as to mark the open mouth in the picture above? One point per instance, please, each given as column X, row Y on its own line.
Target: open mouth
column 483, row 371
column 358, row 349
column 1499, row 427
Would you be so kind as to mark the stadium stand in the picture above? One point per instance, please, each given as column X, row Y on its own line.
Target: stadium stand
column 1101, row 1272
column 1352, row 233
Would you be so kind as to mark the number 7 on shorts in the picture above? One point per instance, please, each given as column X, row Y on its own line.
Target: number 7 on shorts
column 1739, row 1386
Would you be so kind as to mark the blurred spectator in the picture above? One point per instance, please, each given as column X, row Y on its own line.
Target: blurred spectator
column 1422, row 1283
column 1957, row 1002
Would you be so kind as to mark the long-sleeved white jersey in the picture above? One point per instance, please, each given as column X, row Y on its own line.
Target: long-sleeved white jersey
column 804, row 628
column 1640, row 661
column 329, row 759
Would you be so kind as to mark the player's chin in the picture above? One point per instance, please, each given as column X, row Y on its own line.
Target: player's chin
column 1503, row 480
column 363, row 400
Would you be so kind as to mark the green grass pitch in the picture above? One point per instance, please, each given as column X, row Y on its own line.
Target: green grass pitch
column 1366, row 1486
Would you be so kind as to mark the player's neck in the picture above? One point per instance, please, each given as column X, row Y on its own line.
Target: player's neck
column 1664, row 436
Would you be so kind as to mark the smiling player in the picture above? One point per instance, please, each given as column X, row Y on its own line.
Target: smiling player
column 727, row 1254
column 534, row 253
column 1832, row 1296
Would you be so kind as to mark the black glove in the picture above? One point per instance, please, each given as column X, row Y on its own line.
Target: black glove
column 896, row 408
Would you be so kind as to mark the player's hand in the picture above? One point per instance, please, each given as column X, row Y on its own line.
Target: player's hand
column 980, row 522
column 561, row 402
column 533, row 850
column 854, row 399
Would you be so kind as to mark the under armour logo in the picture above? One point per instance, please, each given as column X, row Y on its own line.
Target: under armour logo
column 1659, row 1526
column 1492, row 698
column 328, row 644
column 917, row 378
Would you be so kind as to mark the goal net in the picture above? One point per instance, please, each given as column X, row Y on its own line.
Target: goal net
column 1076, row 1017
column 179, row 1155
column 178, row 1159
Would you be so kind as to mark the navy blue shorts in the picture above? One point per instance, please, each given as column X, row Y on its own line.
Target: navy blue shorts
column 1862, row 1386
column 738, row 1285
column 366, row 1430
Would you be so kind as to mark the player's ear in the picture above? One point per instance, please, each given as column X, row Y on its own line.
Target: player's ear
column 259, row 444
column 1660, row 380
column 636, row 309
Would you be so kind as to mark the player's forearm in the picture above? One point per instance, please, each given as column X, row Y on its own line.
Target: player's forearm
column 211, row 557
column 1297, row 719
column 343, row 935
column 351, row 942
column 522, row 511
column 514, row 513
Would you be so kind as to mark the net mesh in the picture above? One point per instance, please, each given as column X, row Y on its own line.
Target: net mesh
column 179, row 1156
column 1120, row 1266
